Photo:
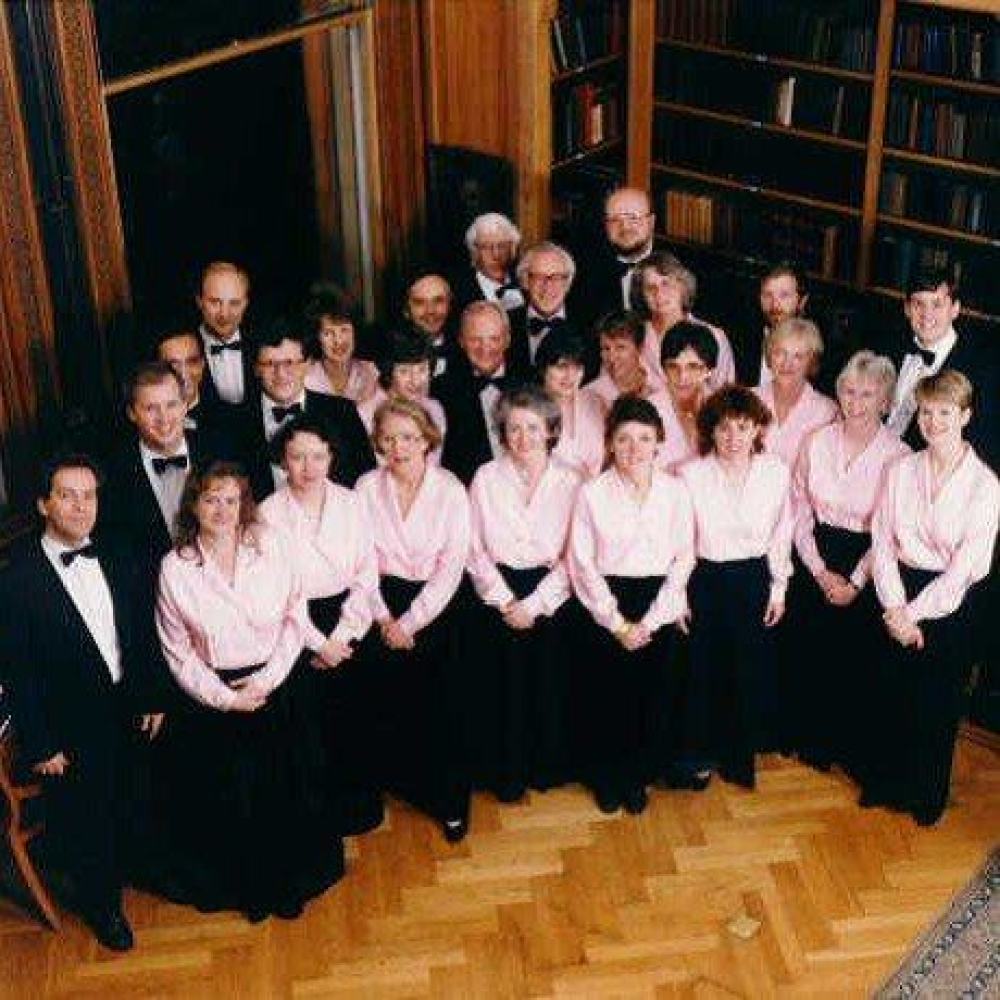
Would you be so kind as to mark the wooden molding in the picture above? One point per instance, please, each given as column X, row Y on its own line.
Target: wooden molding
column 641, row 45
column 88, row 139
column 27, row 348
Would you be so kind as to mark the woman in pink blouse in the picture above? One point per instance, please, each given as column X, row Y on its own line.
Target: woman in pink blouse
column 743, row 540
column 662, row 293
column 247, row 808
column 793, row 350
column 419, row 516
column 621, row 336
column 326, row 534
column 933, row 536
column 521, row 506
column 688, row 360
column 629, row 557
column 560, row 363
column 831, row 605
column 335, row 370
column 405, row 373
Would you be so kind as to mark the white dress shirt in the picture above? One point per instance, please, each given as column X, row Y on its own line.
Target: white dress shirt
column 535, row 339
column 273, row 425
column 912, row 371
column 225, row 367
column 510, row 299
column 167, row 486
column 88, row 590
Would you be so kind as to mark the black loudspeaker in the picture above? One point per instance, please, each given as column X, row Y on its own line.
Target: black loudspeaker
column 461, row 184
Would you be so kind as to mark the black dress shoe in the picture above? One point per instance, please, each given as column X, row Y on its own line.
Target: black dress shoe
column 510, row 791
column 739, row 774
column 635, row 801
column 926, row 815
column 255, row 914
column 685, row 779
column 111, row 929
column 455, row 830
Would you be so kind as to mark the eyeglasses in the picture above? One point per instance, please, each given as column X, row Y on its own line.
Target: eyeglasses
column 494, row 246
column 558, row 277
column 632, row 218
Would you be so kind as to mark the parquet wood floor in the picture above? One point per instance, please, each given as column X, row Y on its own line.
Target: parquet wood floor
column 552, row 899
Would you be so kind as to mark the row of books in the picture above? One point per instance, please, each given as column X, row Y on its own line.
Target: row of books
column 968, row 50
column 586, row 116
column 937, row 199
column 758, row 159
column 717, row 222
column 763, row 93
column 961, row 130
column 584, row 31
column 840, row 34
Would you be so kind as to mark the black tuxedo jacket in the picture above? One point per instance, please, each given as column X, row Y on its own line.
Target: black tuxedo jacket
column 467, row 443
column 597, row 289
column 519, row 364
column 464, row 289
column 129, row 513
column 353, row 454
column 63, row 695
column 976, row 356
column 210, row 398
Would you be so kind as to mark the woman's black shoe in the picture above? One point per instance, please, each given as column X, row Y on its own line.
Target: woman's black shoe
column 455, row 830
column 255, row 914
column 607, row 801
column 111, row 929
column 510, row 792
column 683, row 778
column 288, row 910
column 635, row 800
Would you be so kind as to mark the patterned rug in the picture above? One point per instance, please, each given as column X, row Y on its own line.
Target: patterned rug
column 960, row 955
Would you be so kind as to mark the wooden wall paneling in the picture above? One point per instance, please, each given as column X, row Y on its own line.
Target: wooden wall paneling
column 641, row 46
column 876, row 131
column 401, row 134
column 27, row 336
column 88, row 138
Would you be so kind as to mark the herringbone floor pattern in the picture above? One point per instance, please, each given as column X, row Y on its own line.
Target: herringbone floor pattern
column 552, row 899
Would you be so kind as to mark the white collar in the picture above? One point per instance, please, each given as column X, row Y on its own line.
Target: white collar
column 942, row 348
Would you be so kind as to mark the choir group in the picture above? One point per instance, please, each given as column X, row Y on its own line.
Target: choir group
column 570, row 537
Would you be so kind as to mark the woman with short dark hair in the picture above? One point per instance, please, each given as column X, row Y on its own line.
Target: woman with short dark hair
column 335, row 369
column 743, row 540
column 629, row 557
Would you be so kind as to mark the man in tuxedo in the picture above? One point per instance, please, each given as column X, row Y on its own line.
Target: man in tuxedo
column 545, row 272
column 606, row 273
column 492, row 241
column 427, row 307
column 82, row 659
column 930, row 344
column 282, row 395
column 782, row 295
column 212, row 427
column 471, row 387
column 222, row 300
column 147, row 474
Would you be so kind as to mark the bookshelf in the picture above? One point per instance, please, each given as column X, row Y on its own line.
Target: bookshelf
column 859, row 137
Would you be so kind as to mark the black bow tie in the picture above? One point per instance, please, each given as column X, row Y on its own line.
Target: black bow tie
column 87, row 551
column 160, row 465
column 622, row 267
column 537, row 325
column 282, row 413
column 482, row 381
column 229, row 345
column 503, row 289
column 928, row 357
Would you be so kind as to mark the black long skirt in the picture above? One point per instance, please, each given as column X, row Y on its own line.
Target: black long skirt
column 919, row 700
column 628, row 696
column 521, row 696
column 354, row 797
column 729, row 711
column 249, row 820
column 419, row 707
column 825, row 656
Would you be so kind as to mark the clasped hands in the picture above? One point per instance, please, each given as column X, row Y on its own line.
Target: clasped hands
column 902, row 629
column 838, row 590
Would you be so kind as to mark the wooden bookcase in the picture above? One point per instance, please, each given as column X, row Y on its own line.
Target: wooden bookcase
column 859, row 138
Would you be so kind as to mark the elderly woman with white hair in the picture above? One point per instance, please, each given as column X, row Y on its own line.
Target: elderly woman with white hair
column 793, row 350
column 831, row 604
column 493, row 242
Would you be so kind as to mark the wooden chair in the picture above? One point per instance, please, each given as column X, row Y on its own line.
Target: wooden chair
column 17, row 834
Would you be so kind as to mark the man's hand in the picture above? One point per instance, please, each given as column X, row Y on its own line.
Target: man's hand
column 150, row 724
column 55, row 766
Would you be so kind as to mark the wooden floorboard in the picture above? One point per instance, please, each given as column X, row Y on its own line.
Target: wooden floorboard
column 551, row 899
